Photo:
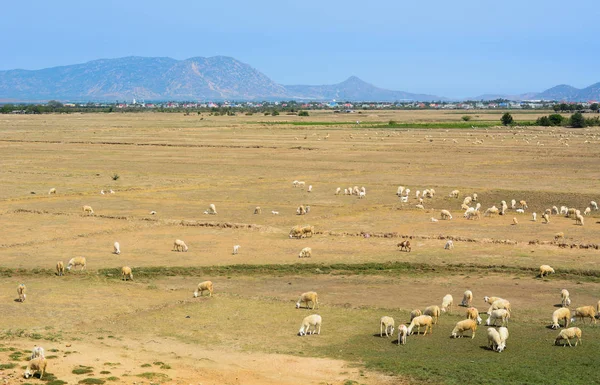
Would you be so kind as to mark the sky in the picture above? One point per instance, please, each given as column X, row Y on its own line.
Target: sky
column 454, row 49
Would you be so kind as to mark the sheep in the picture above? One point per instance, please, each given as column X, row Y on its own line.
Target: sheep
column 534, row 217
column 490, row 300
column 301, row 184
column 445, row 214
column 561, row 314
column 295, row 183
column 564, row 210
column 558, row 236
column 275, row 212
column 309, row 296
column 116, row 248
column 405, row 245
column 404, row 199
column 309, row 188
column 586, row 312
column 305, row 253
column 464, row 206
column 300, row 210
column 449, row 245
column 418, row 194
column 564, row 298
column 422, row 320
column 60, row 268
column 415, row 313
column 463, row 326
column 433, row 220
column 454, row 194
column 22, row 292
column 594, row 205
column 212, row 210
column 387, row 323
column 503, row 331
column 467, row 200
column 308, row 321
column 473, row 313
column 202, row 286
column 36, row 365
column 598, row 307
column 447, row 303
column 579, row 219
column 257, row 210
column 337, row 191
column 513, row 203
column 126, row 273
column 587, row 211
column 400, row 190
column 520, row 211
column 346, row 191
column 433, row 311
column 52, row 191
column 77, row 261
column 152, row 212
column 402, row 333
column 494, row 339
column 554, row 210
column 467, row 298
column 498, row 314
column 571, row 213
column 88, row 210
column 523, row 205
column 515, row 221
column 307, row 231
column 180, row 245
column 36, row 352
column 362, row 194
column 568, row 334
column 546, row 218
column 499, row 304
column 474, row 197
column 492, row 211
column 545, row 270
column 236, row 249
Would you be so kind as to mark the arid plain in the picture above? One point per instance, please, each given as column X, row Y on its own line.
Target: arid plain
column 152, row 330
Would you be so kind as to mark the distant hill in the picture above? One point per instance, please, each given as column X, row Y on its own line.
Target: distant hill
column 561, row 92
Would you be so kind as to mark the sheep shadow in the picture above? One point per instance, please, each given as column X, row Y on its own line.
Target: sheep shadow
column 17, row 300
column 558, row 305
column 377, row 335
column 551, row 328
column 488, row 348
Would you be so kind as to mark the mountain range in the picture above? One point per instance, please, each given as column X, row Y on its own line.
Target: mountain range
column 214, row 78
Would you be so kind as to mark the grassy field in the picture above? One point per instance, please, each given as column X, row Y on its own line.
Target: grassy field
column 246, row 333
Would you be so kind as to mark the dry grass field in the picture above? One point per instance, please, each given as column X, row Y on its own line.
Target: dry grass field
column 152, row 330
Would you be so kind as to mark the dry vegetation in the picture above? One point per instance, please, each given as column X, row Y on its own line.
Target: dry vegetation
column 177, row 165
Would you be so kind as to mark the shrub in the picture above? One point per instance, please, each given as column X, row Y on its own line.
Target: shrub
column 92, row 381
column 303, row 113
column 556, row 119
column 543, row 121
column 274, row 113
column 115, row 176
column 466, row 118
column 506, row 119
column 82, row 370
column 577, row 120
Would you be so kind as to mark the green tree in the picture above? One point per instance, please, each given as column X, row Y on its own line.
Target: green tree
column 303, row 113
column 577, row 120
column 274, row 113
column 594, row 107
column 556, row 119
column 506, row 119
column 543, row 121
column 54, row 104
column 466, row 118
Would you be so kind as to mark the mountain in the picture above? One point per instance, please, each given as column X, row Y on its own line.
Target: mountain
column 516, row 97
column 198, row 78
column 560, row 92
column 353, row 89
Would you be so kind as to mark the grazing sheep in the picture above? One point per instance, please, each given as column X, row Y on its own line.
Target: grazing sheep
column 447, row 303
column 564, row 210
column 307, row 231
column 387, row 323
column 434, row 312
column 52, row 191
column 498, row 314
column 402, row 333
column 523, row 205
column 313, row 321
column 404, row 245
column 36, row 365
column 554, row 210
column 309, row 188
column 126, row 273
column 571, row 213
column 520, row 211
column 418, row 194
column 454, row 194
column 116, row 248
column 362, row 194
column 449, row 245
column 546, row 218
column 594, row 205
column 346, row 191
column 474, row 197
column 494, row 339
column 598, row 307
column 558, row 236
column 579, row 219
column 568, row 334
column 499, row 304
column 445, row 214
column 564, row 298
column 467, row 298
column 490, row 300
column 467, row 200
column 561, row 314
column 236, row 249
column 301, row 184
column 404, row 199
column 400, row 190
column 88, row 210
column 60, row 268
column 422, row 320
column 295, row 183
column 586, row 312
column 337, row 191
column 415, row 313
column 275, row 212
column 36, row 352
column 473, row 313
column 301, row 210
column 463, row 326
column 305, row 253
column 534, row 217
column 545, row 270
column 309, row 296
column 257, row 210
column 212, row 210
column 202, row 286
column 587, row 211
column 434, row 220
column 22, row 292
column 492, row 211
column 503, row 331
column 515, row 221
column 77, row 261
column 179, row 245
column 513, row 203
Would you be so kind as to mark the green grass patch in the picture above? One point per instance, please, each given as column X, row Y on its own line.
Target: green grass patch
column 112, row 378
column 10, row 365
column 92, row 381
column 51, row 357
column 82, row 370
column 158, row 377
column 112, row 363
column 105, row 372
column 55, row 382
column 146, row 365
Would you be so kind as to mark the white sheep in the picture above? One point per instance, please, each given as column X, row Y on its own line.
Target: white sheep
column 568, row 334
column 52, row 191
column 22, row 292
column 494, row 339
column 554, row 210
column 564, row 210
column 546, row 218
column 400, row 190
column 503, row 331
column 275, row 212
column 467, row 298
column 402, row 333
column 579, row 219
column 564, row 298
column 473, row 313
column 60, row 268
column 301, row 184
column 305, row 253
column 454, row 194
column 447, row 303
column 500, row 314
column 36, row 352
column 386, row 323
column 179, row 245
column 499, row 304
column 257, row 210
column 236, row 249
column 415, row 313
column 467, row 200
column 309, row 296
column 515, row 221
column 594, row 205
column 212, row 210
column 309, row 188
column 474, row 197
column 445, row 214
column 432, row 219
column 463, row 326
column 404, row 199
column 449, row 245
column 587, row 211
column 585, row 312
column 116, row 248
column 545, row 270
column 490, row 300
column 36, row 365
column 88, row 210
column 422, row 320
column 295, row 183
column 337, row 191
column 152, row 212
column 361, row 194
column 204, row 286
column 534, row 217
column 420, row 207
column 523, row 204
column 434, row 312
column 513, row 203
column 561, row 314
column 126, row 273
column 313, row 321
column 346, row 191
column 77, row 261
column 520, row 211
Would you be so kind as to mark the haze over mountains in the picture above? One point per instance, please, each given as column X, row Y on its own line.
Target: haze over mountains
column 213, row 78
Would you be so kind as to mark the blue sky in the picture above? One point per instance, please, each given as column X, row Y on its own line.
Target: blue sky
column 461, row 48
